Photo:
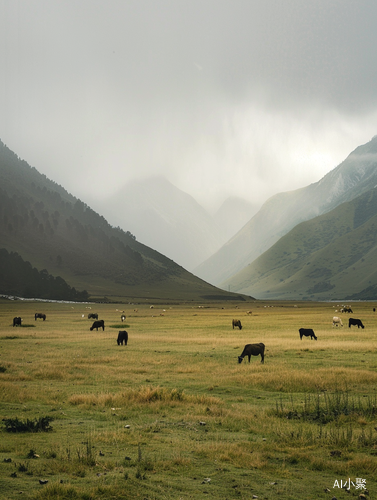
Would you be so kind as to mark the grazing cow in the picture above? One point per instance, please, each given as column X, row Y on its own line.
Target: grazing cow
column 237, row 322
column 98, row 324
column 92, row 316
column 307, row 332
column 40, row 315
column 17, row 321
column 336, row 321
column 252, row 350
column 346, row 309
column 123, row 317
column 122, row 336
column 356, row 322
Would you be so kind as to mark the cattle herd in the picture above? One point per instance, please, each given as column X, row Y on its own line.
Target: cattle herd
column 258, row 349
column 249, row 349
column 122, row 336
column 17, row 321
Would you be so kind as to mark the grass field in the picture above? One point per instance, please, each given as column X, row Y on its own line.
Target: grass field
column 173, row 415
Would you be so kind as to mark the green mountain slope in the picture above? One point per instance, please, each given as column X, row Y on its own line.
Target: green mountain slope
column 54, row 231
column 333, row 256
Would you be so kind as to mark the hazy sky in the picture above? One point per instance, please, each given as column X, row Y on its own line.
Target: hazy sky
column 238, row 97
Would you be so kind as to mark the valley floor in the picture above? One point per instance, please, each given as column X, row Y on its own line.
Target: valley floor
column 173, row 415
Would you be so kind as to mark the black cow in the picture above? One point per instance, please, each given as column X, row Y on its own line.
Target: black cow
column 122, row 336
column 17, row 321
column 353, row 321
column 98, row 324
column 252, row 350
column 40, row 316
column 307, row 332
column 237, row 322
column 123, row 317
column 92, row 316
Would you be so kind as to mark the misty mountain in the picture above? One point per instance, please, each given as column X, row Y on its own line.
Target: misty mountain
column 282, row 212
column 169, row 220
column 57, row 235
column 165, row 218
column 232, row 215
column 332, row 256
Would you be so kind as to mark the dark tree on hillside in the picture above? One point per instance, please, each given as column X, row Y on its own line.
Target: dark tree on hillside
column 18, row 277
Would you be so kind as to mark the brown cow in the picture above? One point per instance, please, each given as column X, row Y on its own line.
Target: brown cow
column 237, row 322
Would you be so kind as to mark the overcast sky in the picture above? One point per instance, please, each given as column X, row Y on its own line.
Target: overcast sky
column 237, row 97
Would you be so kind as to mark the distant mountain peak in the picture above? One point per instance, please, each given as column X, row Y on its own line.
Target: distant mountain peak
column 52, row 231
column 354, row 176
column 170, row 220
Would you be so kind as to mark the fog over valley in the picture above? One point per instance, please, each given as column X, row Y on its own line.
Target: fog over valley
column 244, row 98
column 173, row 222
column 195, row 126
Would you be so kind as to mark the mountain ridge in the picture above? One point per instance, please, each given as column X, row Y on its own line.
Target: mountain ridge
column 283, row 211
column 53, row 230
column 332, row 256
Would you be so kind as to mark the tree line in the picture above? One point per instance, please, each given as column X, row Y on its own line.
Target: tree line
column 18, row 277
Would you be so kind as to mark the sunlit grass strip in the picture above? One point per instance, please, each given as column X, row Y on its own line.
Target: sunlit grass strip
column 346, row 463
column 288, row 379
column 12, row 393
column 142, row 395
column 239, row 454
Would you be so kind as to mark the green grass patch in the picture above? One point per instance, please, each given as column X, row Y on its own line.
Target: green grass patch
column 26, row 325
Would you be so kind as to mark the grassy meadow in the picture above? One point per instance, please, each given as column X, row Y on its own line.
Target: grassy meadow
column 173, row 415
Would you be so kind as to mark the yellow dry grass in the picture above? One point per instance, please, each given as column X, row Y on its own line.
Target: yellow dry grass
column 177, row 398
